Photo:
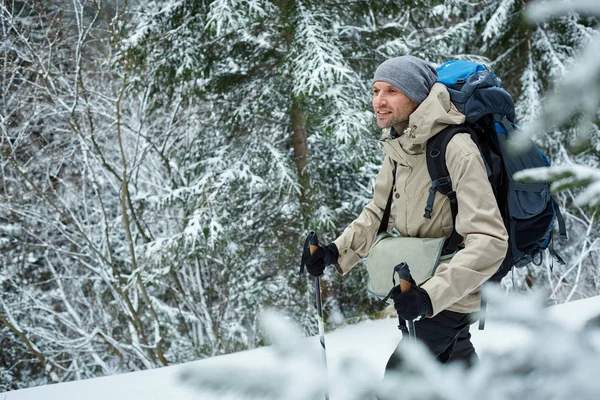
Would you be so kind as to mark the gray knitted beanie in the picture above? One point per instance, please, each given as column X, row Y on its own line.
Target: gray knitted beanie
column 413, row 76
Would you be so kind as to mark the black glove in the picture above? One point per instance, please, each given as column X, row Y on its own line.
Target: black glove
column 322, row 257
column 413, row 304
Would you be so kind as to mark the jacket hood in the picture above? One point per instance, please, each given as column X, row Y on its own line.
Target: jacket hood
column 434, row 114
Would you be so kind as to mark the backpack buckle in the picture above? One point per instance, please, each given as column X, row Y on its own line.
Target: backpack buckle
column 430, row 199
column 435, row 185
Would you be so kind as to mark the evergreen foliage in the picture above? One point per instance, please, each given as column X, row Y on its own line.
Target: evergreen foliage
column 162, row 162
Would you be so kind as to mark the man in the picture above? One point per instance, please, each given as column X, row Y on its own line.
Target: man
column 408, row 101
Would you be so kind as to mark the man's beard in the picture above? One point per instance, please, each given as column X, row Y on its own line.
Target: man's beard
column 399, row 125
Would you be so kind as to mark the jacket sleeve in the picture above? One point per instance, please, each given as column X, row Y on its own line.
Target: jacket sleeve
column 479, row 223
column 356, row 240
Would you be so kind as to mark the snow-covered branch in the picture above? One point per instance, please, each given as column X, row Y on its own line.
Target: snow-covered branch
column 565, row 177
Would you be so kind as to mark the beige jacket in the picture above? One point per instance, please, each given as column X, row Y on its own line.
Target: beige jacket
column 455, row 285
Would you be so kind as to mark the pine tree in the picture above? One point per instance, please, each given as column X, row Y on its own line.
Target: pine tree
column 160, row 172
column 286, row 84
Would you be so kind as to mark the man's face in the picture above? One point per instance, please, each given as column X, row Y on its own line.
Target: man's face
column 392, row 107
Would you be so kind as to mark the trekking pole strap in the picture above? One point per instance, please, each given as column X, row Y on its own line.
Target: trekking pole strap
column 310, row 239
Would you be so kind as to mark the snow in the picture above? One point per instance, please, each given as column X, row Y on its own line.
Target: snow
column 360, row 351
column 546, row 9
column 192, row 167
column 567, row 175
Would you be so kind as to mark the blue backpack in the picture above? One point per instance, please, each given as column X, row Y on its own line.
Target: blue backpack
column 527, row 208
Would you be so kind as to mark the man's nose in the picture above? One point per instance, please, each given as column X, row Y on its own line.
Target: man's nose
column 379, row 101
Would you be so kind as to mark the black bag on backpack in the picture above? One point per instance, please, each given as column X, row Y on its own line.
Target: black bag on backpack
column 528, row 209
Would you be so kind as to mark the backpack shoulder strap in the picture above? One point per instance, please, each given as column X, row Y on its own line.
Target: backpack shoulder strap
column 440, row 177
column 436, row 159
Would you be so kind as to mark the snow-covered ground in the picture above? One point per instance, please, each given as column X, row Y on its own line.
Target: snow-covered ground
column 367, row 344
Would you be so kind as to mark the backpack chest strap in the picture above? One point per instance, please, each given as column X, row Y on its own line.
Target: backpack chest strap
column 442, row 185
column 436, row 164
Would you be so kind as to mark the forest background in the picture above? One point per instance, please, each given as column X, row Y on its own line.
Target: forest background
column 162, row 162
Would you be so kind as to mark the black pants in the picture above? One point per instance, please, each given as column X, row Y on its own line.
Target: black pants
column 447, row 336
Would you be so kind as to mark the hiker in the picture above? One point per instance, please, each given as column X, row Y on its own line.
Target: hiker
column 411, row 108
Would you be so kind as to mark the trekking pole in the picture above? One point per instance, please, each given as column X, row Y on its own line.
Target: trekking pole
column 412, row 335
column 321, row 323
column 310, row 246
column 405, row 285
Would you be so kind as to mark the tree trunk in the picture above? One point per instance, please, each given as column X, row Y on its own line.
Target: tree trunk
column 301, row 154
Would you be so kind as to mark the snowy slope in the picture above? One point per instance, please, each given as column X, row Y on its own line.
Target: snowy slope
column 368, row 344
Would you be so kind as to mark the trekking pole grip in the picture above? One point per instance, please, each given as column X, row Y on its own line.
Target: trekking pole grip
column 313, row 243
column 405, row 283
column 405, row 286
column 404, row 277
